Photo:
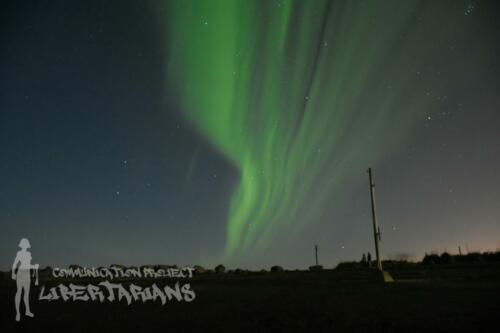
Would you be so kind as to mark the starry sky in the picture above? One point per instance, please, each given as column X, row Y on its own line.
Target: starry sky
column 240, row 132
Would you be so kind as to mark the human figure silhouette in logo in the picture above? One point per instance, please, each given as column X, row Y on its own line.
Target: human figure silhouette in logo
column 23, row 277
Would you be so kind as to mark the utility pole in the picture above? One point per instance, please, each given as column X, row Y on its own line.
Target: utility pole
column 376, row 229
column 316, row 252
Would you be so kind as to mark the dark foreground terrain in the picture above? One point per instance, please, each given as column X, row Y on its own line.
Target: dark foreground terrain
column 328, row 301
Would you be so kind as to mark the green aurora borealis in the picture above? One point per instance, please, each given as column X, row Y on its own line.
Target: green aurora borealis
column 295, row 93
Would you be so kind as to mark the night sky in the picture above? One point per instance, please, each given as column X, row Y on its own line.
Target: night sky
column 240, row 132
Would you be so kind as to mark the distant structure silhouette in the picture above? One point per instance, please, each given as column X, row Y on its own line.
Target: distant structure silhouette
column 220, row 269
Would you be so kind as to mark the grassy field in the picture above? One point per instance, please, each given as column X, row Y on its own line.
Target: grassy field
column 328, row 301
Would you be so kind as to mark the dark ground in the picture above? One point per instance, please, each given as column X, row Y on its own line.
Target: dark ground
column 443, row 300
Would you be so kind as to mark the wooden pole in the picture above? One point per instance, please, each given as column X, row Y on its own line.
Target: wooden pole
column 376, row 229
